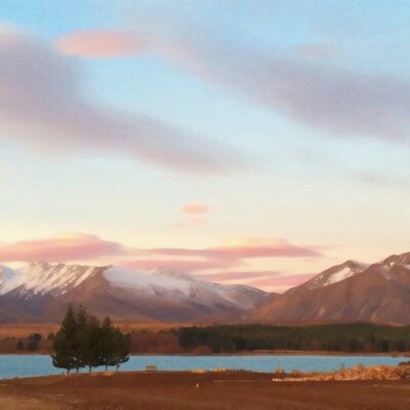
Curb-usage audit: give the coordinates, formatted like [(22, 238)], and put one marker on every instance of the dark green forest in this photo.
[(352, 338), (85, 342)]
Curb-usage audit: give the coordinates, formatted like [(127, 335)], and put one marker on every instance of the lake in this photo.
[(32, 365)]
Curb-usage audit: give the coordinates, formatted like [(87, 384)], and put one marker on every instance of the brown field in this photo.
[(198, 391), (24, 329)]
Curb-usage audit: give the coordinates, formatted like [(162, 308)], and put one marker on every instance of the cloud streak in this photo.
[(213, 264), (178, 264), (100, 44), (60, 249), (75, 246), (195, 208), (42, 106), (340, 102), (284, 250)]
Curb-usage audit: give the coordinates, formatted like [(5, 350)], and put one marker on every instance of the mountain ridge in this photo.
[(40, 290), (348, 292)]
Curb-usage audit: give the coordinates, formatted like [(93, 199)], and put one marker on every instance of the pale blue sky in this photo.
[(306, 174)]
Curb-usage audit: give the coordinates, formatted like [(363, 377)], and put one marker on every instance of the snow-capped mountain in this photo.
[(348, 292), (41, 291), (336, 274)]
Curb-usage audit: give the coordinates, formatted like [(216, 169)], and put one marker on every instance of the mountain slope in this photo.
[(41, 292), (349, 292)]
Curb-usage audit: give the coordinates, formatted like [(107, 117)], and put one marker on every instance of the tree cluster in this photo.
[(32, 343), (83, 341), (355, 337)]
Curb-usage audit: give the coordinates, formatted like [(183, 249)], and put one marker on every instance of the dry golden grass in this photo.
[(21, 330), (24, 329)]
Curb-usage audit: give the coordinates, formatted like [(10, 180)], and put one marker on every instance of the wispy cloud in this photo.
[(195, 208), (181, 265), (78, 246), (377, 179), (338, 101), (341, 102), (238, 276), (285, 250), (287, 281), (218, 264), (61, 248), (315, 51), (42, 105), (99, 43)]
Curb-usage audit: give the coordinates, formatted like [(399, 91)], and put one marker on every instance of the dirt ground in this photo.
[(197, 391)]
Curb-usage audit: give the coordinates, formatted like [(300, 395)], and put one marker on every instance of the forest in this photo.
[(100, 338), (351, 338)]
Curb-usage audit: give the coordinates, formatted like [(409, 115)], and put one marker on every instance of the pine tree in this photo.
[(81, 318), (92, 350), (122, 344), (65, 343), (107, 339), (82, 341)]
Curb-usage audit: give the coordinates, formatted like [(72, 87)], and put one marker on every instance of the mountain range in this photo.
[(349, 292), (41, 292)]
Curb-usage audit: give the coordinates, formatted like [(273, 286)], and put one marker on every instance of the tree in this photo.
[(122, 344), (82, 341), (33, 341), (20, 345), (65, 343), (92, 345), (108, 343), (82, 319)]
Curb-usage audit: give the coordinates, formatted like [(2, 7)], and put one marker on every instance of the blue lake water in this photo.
[(25, 365)]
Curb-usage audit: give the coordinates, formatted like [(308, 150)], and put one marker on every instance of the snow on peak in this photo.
[(402, 259), (5, 274), (148, 281), (337, 274), (162, 282), (44, 277)]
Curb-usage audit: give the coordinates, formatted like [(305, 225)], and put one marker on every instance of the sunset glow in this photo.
[(254, 142)]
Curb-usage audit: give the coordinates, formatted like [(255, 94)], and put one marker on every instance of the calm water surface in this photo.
[(25, 365)]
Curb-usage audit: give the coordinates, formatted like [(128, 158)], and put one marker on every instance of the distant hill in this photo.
[(350, 292), (41, 291)]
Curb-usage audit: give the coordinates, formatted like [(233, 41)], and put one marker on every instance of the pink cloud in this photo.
[(233, 275), (282, 281), (99, 43), (336, 100), (66, 248), (84, 247), (242, 252), (176, 264), (195, 208), (42, 106)]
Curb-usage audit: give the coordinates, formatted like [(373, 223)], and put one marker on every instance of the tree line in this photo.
[(83, 341), (355, 337)]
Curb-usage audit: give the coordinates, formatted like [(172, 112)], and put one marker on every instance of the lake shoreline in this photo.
[(241, 354)]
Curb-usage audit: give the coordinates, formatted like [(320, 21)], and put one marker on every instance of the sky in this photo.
[(242, 141)]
